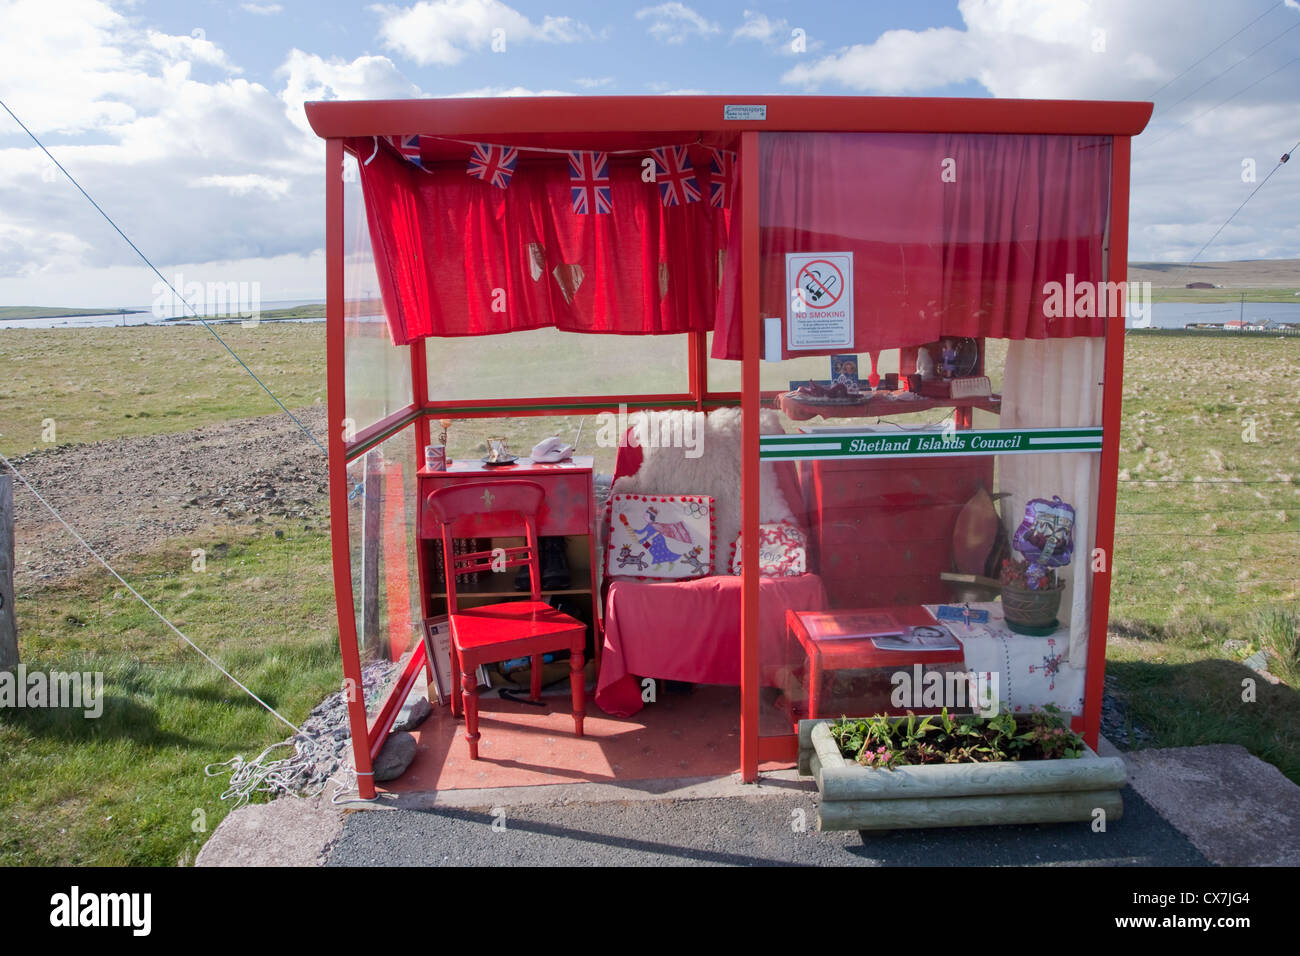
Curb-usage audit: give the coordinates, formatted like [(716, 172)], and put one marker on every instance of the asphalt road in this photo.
[(762, 831)]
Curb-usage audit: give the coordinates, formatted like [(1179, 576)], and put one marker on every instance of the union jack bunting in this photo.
[(722, 166), (675, 175), (493, 164), (589, 182), (409, 147)]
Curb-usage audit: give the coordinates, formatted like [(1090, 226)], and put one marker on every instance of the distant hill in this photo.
[(1245, 274)]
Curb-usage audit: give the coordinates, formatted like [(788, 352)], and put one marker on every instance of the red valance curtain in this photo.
[(951, 234), (457, 256)]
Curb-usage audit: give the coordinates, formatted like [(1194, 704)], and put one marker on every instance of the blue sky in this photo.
[(185, 118)]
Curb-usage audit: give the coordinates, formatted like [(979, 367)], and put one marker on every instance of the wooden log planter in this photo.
[(854, 797)]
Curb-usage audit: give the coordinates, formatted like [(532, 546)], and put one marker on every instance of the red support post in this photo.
[(749, 475), (338, 477), (1108, 484)]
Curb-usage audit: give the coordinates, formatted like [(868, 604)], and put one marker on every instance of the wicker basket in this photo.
[(1031, 608)]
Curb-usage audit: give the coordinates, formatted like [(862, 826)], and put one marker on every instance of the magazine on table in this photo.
[(926, 637), (851, 625)]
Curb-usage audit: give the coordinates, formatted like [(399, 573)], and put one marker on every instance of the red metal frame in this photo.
[(604, 119)]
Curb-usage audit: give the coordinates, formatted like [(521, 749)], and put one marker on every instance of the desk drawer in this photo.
[(566, 509)]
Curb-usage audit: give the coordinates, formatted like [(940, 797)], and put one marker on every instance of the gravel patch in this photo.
[(126, 496)]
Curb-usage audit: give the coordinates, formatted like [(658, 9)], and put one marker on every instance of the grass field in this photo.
[(142, 380), (1232, 295), (1204, 569), (129, 787)]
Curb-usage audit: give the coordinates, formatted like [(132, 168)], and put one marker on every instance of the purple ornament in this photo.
[(1046, 535)]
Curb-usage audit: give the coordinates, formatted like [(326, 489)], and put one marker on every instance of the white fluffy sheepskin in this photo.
[(716, 472)]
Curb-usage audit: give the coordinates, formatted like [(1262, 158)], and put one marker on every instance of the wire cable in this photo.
[(1280, 163), (154, 269), (1234, 66), (247, 776), (1169, 132), (1216, 49)]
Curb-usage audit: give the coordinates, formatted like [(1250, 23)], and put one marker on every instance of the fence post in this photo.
[(8, 615)]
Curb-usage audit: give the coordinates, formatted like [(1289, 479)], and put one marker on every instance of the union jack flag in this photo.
[(675, 175), (409, 147), (722, 166), (493, 164), (589, 182)]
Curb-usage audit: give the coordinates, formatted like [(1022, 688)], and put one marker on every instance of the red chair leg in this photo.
[(469, 684), (578, 685), (537, 677), (455, 669)]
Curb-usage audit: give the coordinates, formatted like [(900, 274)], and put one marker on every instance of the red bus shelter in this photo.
[(843, 359)]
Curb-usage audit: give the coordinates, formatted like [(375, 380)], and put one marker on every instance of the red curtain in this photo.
[(951, 234), (458, 256)]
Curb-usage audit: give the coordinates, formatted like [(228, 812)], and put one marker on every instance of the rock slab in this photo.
[(1235, 808)]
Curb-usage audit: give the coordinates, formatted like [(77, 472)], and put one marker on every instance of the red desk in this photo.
[(861, 653)]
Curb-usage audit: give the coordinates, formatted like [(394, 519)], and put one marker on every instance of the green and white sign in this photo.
[(875, 444)]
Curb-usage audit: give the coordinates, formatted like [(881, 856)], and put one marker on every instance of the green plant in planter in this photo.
[(885, 742)]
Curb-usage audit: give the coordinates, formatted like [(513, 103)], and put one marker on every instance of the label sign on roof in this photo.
[(743, 112)]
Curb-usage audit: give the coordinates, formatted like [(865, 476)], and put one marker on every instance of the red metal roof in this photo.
[(646, 114)]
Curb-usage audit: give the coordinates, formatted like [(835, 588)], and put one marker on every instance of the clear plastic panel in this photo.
[(382, 521), (908, 467), (377, 372), (549, 363)]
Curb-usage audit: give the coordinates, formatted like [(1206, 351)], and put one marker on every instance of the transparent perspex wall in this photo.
[(929, 461)]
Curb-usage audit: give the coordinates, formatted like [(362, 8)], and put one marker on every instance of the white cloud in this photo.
[(444, 32), (594, 82), (248, 183), (898, 61), (673, 22), (194, 48), (308, 77), (1018, 48), (506, 91), (262, 9), (195, 169), (760, 27)]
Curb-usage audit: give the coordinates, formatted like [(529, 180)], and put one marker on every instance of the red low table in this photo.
[(860, 653)]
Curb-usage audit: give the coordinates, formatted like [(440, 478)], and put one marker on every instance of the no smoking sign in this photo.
[(819, 288)]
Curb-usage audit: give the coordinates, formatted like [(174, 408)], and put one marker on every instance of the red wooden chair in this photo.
[(499, 632)]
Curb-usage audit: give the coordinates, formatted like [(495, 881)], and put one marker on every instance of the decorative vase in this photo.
[(1031, 608)]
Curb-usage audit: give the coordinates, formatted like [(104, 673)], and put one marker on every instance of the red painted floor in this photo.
[(681, 735)]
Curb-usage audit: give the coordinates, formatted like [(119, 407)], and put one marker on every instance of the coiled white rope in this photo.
[(290, 775)]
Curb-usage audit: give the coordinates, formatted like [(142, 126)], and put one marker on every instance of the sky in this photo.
[(184, 119)]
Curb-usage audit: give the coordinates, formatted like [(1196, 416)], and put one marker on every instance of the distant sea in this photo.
[(140, 315), (1167, 315)]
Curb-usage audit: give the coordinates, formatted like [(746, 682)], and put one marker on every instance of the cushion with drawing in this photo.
[(782, 550), (660, 536)]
